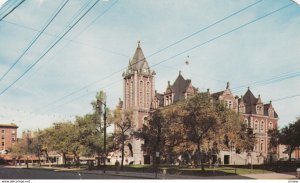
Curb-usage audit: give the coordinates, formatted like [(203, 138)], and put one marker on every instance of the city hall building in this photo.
[(140, 94)]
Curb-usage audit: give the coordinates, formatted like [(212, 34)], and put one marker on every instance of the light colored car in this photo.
[(3, 152), (298, 172)]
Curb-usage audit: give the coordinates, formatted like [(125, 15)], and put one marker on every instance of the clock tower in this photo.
[(138, 94)]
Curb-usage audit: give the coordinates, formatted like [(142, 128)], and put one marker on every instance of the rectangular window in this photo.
[(2, 143), (2, 131), (2, 136)]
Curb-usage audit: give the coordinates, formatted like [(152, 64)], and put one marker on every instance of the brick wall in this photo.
[(8, 136)]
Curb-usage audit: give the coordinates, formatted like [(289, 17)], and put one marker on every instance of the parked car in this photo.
[(298, 172), (3, 152)]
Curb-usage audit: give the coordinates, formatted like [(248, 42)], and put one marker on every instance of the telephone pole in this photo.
[(99, 103)]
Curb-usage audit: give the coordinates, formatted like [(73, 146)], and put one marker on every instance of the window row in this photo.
[(259, 126)]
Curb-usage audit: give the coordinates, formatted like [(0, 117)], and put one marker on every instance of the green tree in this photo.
[(273, 135), (289, 136), (200, 120), (122, 121), (18, 150), (36, 146)]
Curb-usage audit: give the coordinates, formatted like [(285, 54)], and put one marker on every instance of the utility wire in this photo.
[(74, 41), (55, 42), (12, 10), (61, 6), (85, 94), (68, 39), (206, 42), (6, 6), (222, 35), (269, 80), (177, 42), (205, 28)]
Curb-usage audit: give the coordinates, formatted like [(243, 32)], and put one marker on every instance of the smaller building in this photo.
[(8, 134)]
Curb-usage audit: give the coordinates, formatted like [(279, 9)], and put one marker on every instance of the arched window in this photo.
[(131, 93), (262, 124), (148, 94), (141, 94), (256, 125), (270, 125), (167, 100), (127, 94), (262, 145)]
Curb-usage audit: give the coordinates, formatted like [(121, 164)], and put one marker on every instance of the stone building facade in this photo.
[(257, 115), (8, 134), (140, 95)]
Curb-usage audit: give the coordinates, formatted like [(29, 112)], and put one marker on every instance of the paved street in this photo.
[(20, 173)]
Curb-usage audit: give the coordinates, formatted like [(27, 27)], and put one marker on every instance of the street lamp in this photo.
[(98, 107)]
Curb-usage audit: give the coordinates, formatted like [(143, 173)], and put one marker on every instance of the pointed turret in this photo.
[(138, 62)]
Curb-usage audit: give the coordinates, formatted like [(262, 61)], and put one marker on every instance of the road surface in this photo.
[(20, 173)]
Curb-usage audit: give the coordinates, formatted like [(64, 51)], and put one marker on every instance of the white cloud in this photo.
[(2, 2), (297, 1)]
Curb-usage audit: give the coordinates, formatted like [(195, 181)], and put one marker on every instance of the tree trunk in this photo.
[(98, 159), (65, 159), (47, 156), (76, 159), (200, 156), (122, 154), (153, 159), (39, 157), (290, 153)]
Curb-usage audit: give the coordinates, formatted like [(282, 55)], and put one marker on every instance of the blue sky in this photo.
[(263, 55)]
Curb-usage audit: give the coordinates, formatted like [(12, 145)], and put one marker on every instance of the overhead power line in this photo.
[(222, 35), (61, 6), (201, 44), (205, 28), (89, 25), (48, 49), (12, 10), (270, 80), (158, 51), (6, 6), (68, 39)]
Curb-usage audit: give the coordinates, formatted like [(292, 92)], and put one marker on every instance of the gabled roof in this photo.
[(250, 102), (180, 87), (217, 95), (266, 110)]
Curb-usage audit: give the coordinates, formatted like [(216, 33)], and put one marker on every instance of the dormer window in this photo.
[(271, 113), (258, 109)]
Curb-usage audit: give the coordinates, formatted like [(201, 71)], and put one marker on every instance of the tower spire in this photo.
[(139, 43)]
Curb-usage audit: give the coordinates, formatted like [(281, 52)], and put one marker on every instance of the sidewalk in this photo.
[(141, 175), (289, 175)]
